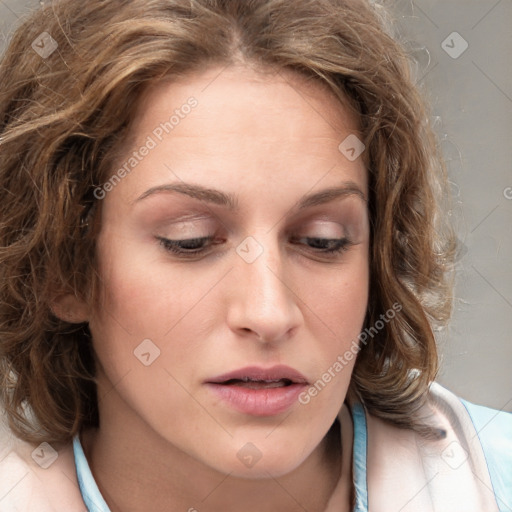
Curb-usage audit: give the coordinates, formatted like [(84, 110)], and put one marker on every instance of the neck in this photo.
[(137, 470)]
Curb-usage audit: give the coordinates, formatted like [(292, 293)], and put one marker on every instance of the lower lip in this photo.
[(258, 402)]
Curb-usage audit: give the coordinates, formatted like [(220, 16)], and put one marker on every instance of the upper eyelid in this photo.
[(299, 218), (211, 224), (296, 214), (211, 233)]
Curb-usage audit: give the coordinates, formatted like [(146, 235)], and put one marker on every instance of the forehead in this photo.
[(240, 89), (252, 126)]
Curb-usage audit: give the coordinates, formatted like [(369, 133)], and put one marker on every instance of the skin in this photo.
[(165, 441)]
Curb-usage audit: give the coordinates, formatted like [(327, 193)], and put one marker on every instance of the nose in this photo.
[(263, 304)]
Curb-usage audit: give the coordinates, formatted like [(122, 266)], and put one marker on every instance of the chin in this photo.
[(262, 459), (266, 469)]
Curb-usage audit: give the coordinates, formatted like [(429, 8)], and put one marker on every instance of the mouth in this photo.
[(259, 391), (276, 376), (248, 383)]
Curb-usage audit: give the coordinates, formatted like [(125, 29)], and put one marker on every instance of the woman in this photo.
[(223, 257)]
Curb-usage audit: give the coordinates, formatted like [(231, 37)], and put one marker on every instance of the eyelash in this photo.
[(179, 247)]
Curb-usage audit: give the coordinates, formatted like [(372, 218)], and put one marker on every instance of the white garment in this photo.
[(394, 470)]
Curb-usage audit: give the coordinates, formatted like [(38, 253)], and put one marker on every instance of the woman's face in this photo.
[(214, 258)]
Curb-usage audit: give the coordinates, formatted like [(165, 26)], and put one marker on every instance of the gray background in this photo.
[(471, 101)]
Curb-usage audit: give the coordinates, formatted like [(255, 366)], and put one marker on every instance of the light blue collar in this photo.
[(95, 503), (90, 493), (359, 457)]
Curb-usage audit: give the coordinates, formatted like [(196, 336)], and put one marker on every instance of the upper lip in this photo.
[(256, 373)]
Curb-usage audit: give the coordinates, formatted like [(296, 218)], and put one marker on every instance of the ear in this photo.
[(70, 308)]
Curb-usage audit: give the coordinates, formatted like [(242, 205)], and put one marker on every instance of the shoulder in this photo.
[(468, 469), (493, 429), (36, 477)]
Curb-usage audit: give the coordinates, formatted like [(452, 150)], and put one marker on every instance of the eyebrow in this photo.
[(230, 201)]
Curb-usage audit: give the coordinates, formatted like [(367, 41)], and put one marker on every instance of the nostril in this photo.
[(251, 331)]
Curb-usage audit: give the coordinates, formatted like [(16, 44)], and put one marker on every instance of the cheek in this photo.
[(340, 306), (141, 301), (143, 297), (139, 294), (340, 298)]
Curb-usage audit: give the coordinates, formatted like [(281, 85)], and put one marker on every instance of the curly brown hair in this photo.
[(64, 118)]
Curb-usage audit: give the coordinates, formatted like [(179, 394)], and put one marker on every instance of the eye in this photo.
[(331, 246), (196, 246), (189, 246)]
